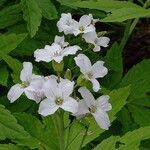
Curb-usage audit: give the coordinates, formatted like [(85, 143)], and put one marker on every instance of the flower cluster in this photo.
[(54, 92)]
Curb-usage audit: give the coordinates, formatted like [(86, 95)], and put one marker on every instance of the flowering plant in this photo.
[(66, 84)]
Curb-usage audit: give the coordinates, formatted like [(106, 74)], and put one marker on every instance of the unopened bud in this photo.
[(68, 74), (58, 67)]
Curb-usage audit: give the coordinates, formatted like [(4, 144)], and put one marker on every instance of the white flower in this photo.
[(91, 72), (91, 37), (83, 26), (58, 96), (60, 40), (31, 85), (65, 24), (98, 108), (54, 52)]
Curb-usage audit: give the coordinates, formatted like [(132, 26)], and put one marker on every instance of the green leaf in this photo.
[(117, 100), (3, 74), (37, 130), (10, 42), (107, 5), (12, 130), (32, 15), (123, 14), (140, 115), (113, 58), (131, 140), (12, 147), (113, 61), (10, 15), (48, 9), (139, 79), (15, 65), (2, 2)]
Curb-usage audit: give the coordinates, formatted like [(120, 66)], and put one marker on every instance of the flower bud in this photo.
[(58, 67), (68, 74)]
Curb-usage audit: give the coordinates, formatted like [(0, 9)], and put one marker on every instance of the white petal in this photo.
[(83, 63), (71, 50), (42, 55), (82, 109), (85, 20), (26, 72), (87, 96), (103, 103), (70, 105), (102, 119), (15, 92), (99, 70), (47, 107), (90, 28), (50, 87), (96, 48), (103, 41), (90, 37), (96, 85), (58, 59), (66, 87), (60, 40)]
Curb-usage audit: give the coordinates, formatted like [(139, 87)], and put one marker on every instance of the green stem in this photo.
[(60, 120)]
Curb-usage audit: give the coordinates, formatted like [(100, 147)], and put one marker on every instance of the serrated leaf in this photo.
[(3, 74), (131, 140), (32, 15), (10, 15), (10, 42), (15, 65), (113, 61), (123, 14), (37, 130), (141, 115), (12, 147), (113, 58), (139, 79), (12, 130), (48, 9), (107, 5)]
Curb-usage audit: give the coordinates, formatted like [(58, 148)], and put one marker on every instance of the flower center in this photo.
[(59, 101), (81, 28), (57, 53), (93, 109), (25, 84), (90, 75)]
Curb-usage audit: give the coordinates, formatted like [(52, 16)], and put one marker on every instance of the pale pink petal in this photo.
[(102, 119), (90, 28), (96, 85), (15, 92), (103, 41), (47, 107), (96, 48), (70, 105), (90, 37), (71, 50), (26, 72), (85, 20), (87, 96), (82, 109), (83, 63), (66, 87), (103, 103), (99, 70), (42, 55)]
